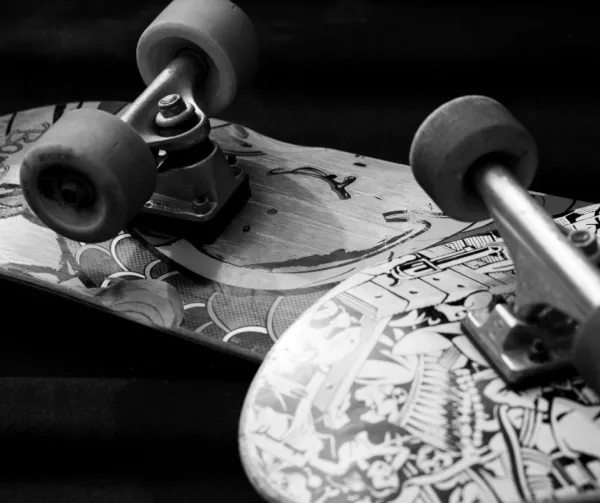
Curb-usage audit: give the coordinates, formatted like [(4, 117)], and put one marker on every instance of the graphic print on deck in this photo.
[(377, 395)]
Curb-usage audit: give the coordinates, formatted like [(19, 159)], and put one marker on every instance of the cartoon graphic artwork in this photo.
[(250, 285), (377, 395)]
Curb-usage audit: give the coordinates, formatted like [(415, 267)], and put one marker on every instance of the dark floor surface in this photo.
[(108, 422)]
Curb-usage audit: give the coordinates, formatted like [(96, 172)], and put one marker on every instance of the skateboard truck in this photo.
[(475, 160), (196, 182), (557, 285), (93, 174)]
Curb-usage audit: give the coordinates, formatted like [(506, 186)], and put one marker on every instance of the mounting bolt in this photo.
[(174, 111), (585, 241), (201, 204)]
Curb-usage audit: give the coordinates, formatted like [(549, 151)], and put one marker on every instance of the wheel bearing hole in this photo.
[(71, 193), (66, 186)]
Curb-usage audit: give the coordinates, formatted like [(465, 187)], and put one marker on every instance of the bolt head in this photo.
[(200, 204), (585, 241)]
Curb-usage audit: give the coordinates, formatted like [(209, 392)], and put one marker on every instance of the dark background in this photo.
[(355, 75)]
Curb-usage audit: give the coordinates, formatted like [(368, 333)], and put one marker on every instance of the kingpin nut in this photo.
[(171, 105), (174, 111)]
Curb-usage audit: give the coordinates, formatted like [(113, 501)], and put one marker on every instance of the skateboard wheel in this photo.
[(222, 33), (458, 136), (88, 176)]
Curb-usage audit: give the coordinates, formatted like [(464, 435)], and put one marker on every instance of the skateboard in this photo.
[(463, 372), (242, 232)]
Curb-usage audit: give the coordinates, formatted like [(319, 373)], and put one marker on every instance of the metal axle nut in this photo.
[(174, 111)]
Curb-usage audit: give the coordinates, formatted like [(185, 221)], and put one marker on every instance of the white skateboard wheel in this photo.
[(88, 176), (455, 138), (220, 30)]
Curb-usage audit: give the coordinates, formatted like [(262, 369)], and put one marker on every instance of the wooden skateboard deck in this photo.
[(316, 217), (377, 395)]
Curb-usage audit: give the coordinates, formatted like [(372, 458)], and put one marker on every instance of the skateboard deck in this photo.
[(376, 394), (316, 217)]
